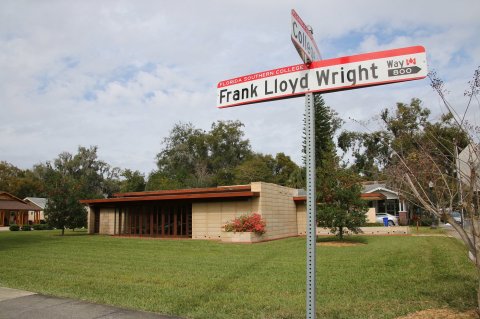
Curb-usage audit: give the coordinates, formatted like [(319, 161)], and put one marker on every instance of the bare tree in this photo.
[(436, 178)]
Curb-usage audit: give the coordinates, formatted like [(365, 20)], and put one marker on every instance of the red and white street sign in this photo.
[(345, 73), (303, 40)]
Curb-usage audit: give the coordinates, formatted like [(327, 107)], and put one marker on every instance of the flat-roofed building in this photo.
[(198, 213)]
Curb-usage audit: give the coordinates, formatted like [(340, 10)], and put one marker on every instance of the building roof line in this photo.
[(220, 189), (191, 196)]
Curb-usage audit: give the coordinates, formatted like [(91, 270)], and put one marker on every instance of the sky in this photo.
[(121, 74)]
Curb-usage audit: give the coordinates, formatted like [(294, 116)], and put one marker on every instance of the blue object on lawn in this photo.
[(385, 221)]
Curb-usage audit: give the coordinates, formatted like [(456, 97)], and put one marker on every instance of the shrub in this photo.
[(26, 228), (14, 227), (247, 223), (426, 221), (41, 227), (37, 226)]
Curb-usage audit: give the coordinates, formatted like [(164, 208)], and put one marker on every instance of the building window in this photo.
[(392, 206)]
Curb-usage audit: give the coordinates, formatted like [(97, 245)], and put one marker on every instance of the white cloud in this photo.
[(119, 74)]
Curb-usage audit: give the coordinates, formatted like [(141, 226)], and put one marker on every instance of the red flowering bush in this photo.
[(247, 223)]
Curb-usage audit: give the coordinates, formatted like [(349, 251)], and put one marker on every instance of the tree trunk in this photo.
[(477, 263), (63, 231), (340, 232)]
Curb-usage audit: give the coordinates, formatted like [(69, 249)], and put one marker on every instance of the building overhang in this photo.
[(224, 193), (373, 196), (299, 199)]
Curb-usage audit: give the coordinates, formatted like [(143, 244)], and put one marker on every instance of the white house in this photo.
[(36, 217), (384, 200)]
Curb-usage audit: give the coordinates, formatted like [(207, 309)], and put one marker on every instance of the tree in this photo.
[(432, 176), (297, 178), (134, 181), (327, 123), (284, 169), (21, 183), (71, 178), (338, 189), (227, 148), (265, 168), (194, 158), (257, 168), (222, 156), (403, 131), (341, 207), (184, 160), (63, 209)]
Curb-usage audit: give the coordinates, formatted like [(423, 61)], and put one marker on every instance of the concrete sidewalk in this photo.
[(18, 304)]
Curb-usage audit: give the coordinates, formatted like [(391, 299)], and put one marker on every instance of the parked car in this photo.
[(457, 217), (392, 220)]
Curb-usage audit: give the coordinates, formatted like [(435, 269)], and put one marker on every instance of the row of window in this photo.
[(389, 206)]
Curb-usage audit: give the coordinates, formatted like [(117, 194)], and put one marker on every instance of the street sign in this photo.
[(345, 73), (303, 41)]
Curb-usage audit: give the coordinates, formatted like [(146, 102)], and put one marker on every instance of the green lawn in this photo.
[(387, 277), (427, 230)]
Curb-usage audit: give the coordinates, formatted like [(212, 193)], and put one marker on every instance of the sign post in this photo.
[(302, 38), (311, 205), (316, 75)]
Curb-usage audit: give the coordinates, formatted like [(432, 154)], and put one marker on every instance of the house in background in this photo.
[(35, 216), (13, 210), (372, 198), (384, 200)]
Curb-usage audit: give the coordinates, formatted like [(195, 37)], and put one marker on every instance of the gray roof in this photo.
[(371, 186), (41, 202)]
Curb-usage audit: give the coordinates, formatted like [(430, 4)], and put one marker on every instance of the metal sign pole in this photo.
[(311, 204)]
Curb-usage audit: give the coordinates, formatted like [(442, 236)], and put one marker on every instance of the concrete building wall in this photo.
[(107, 221), (371, 215), (90, 220), (302, 218), (278, 209), (208, 218), (275, 204)]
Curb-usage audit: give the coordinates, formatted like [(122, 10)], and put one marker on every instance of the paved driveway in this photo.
[(19, 304)]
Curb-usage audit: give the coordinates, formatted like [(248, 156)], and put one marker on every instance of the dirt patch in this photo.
[(441, 314), (339, 244)]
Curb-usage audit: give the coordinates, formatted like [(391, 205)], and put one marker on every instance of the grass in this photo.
[(427, 230), (388, 277), (346, 239)]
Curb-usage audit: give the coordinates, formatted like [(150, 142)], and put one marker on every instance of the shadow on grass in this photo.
[(347, 239), (72, 233), (10, 240), (16, 240)]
